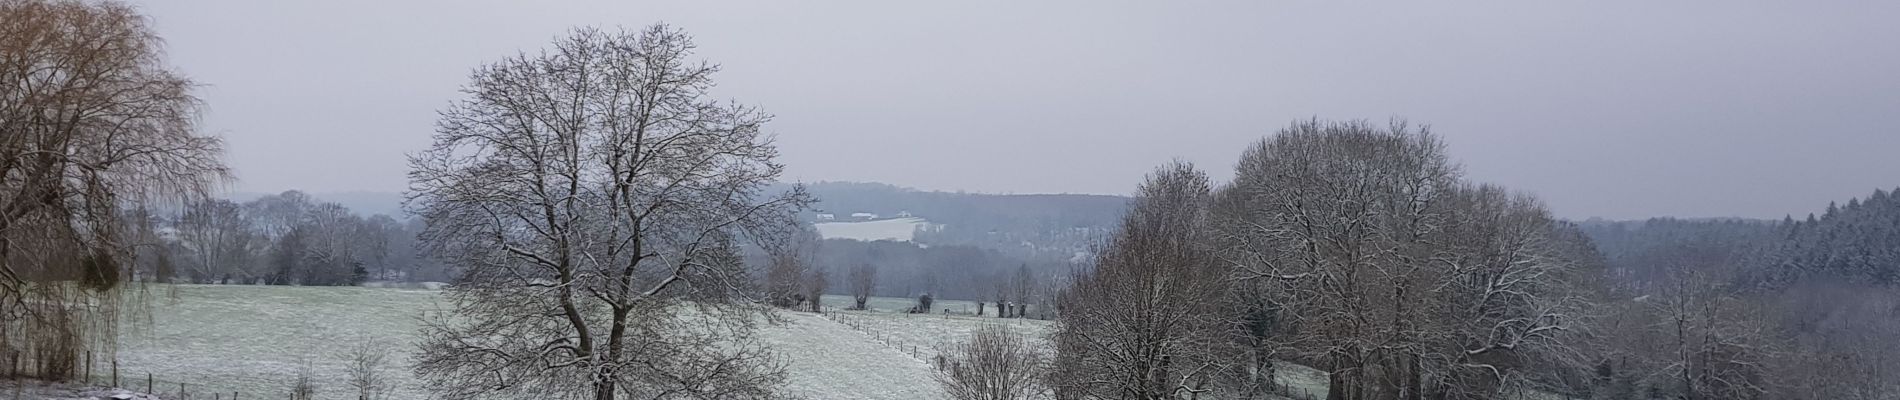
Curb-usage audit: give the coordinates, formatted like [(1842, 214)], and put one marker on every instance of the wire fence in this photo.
[(96, 373), (857, 323)]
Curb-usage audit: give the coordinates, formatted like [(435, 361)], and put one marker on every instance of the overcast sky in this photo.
[(1602, 108)]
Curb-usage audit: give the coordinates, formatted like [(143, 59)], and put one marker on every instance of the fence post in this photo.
[(88, 379), (148, 384), (115, 372)]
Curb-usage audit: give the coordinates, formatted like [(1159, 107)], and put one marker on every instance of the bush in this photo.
[(996, 364), (923, 305)]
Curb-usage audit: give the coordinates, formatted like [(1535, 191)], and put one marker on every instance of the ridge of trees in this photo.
[(1359, 250)]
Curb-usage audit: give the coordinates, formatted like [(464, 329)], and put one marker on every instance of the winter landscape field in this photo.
[(663, 200), (254, 340), (897, 229)]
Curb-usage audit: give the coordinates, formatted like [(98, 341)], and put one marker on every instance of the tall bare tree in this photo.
[(815, 284), (1398, 278), (220, 237), (586, 192), (1150, 321), (1023, 285), (91, 119)]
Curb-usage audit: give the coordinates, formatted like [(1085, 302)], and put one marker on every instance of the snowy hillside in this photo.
[(898, 229)]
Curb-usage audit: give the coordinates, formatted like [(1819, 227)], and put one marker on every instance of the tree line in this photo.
[(1361, 251), (960, 272), (1354, 248), (288, 238), (598, 204), (1796, 309)]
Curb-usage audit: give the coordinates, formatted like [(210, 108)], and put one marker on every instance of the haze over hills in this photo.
[(361, 201)]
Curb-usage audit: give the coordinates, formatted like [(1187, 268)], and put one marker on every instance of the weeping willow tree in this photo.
[(93, 129)]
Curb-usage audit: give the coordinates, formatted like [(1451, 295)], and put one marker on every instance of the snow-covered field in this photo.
[(62, 391), (899, 304), (254, 339), (898, 229)]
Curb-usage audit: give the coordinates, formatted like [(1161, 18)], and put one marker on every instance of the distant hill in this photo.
[(1051, 224)]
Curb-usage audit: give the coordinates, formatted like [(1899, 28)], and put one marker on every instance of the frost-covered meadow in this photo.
[(898, 229), (254, 339)]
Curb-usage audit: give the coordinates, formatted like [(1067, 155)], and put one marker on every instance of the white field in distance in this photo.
[(897, 229)]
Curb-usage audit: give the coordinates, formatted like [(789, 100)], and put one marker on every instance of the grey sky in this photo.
[(1613, 109)]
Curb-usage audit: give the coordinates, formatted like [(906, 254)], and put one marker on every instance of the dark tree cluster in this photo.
[(962, 272), (288, 238)]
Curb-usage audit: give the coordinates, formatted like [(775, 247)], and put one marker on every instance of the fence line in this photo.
[(104, 373), (889, 341)]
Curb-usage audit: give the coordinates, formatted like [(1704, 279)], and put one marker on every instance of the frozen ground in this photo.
[(57, 391), (926, 335), (898, 229), (831, 361), (254, 339)]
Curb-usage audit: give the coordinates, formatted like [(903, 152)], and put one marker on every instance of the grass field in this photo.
[(254, 340)]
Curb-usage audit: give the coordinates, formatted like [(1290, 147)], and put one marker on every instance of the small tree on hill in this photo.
[(815, 285), (863, 283)]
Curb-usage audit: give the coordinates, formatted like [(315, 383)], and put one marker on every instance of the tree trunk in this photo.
[(1414, 385), (603, 389)]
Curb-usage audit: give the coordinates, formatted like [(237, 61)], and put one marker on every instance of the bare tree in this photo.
[(219, 236), (863, 284), (787, 276), (1399, 279), (1150, 320), (587, 192), (1717, 346), (815, 284), (303, 386), (275, 215), (363, 363), (378, 237), (785, 281), (1024, 285), (996, 364), (91, 121)]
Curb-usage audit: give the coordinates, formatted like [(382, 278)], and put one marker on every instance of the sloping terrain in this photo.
[(255, 339)]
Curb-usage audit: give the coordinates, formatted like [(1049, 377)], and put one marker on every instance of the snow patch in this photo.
[(898, 229)]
